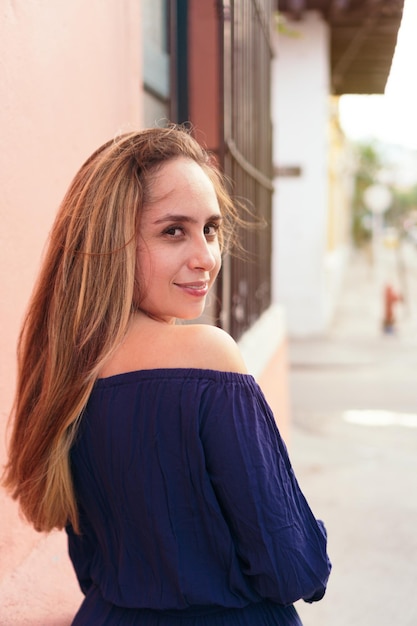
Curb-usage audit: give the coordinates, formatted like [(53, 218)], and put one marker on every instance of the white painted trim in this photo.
[(262, 340)]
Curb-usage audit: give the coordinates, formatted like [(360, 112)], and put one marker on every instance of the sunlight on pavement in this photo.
[(371, 417)]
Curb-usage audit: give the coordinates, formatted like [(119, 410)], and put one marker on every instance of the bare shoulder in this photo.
[(210, 347), (151, 345)]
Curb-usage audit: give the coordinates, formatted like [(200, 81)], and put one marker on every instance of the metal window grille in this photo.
[(247, 52)]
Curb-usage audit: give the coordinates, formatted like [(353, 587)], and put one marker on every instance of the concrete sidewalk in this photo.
[(354, 446)]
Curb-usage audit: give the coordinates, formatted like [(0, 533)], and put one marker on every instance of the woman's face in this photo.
[(178, 255)]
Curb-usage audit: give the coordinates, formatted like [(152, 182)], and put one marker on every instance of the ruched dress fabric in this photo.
[(190, 512)]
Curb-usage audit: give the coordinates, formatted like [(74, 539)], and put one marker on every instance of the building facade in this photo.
[(73, 75)]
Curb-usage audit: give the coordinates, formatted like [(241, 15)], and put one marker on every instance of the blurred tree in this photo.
[(372, 164), (403, 207), (369, 164)]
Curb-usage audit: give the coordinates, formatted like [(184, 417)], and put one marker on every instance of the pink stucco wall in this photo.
[(70, 79)]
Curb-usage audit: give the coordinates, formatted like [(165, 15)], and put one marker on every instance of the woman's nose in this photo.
[(203, 255)]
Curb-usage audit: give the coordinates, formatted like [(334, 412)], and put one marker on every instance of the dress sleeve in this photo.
[(281, 546)]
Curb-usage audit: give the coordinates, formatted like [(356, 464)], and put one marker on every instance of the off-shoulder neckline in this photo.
[(170, 373)]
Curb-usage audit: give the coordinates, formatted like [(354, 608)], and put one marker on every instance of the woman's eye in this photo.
[(211, 230), (174, 231)]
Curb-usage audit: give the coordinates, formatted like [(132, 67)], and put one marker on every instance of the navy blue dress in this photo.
[(190, 512)]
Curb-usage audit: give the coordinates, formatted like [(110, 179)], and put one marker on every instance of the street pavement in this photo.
[(354, 444)]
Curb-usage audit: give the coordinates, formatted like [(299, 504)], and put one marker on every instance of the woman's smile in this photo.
[(199, 288)]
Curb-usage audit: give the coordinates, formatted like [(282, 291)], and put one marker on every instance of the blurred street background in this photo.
[(354, 443)]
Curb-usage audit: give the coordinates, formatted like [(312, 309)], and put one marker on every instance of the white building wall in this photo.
[(300, 110)]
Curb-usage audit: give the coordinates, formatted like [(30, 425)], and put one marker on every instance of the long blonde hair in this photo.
[(80, 310)]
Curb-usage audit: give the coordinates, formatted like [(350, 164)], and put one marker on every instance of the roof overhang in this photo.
[(363, 38)]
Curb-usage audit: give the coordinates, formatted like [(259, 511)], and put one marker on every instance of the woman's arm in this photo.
[(282, 547)]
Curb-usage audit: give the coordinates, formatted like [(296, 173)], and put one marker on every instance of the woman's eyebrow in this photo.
[(174, 217)]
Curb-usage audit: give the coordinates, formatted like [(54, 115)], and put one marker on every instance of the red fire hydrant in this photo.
[(390, 300)]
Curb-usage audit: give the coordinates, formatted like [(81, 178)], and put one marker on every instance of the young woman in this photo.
[(147, 440)]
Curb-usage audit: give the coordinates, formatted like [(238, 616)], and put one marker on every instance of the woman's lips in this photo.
[(195, 288)]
